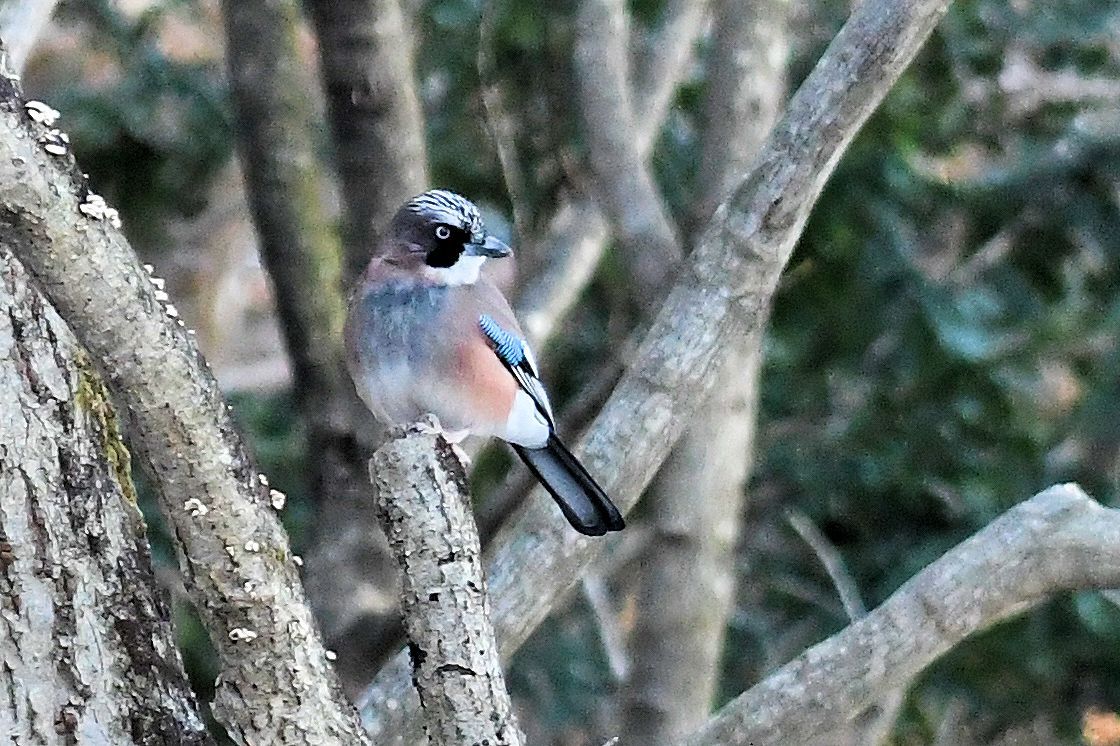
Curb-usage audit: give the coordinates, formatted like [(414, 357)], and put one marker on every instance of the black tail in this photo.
[(583, 502)]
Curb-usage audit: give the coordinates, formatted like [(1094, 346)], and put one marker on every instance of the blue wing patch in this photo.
[(518, 359), (506, 346)]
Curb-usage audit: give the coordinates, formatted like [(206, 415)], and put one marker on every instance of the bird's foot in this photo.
[(430, 425)]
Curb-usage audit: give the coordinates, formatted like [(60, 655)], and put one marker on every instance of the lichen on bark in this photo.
[(92, 397)]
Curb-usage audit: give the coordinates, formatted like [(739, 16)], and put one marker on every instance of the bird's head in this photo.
[(443, 233)]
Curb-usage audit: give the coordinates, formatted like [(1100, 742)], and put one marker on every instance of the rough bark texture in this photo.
[(276, 685), (21, 23), (623, 182), (724, 291), (424, 504), (687, 577), (1058, 540), (86, 649), (349, 574), (366, 56)]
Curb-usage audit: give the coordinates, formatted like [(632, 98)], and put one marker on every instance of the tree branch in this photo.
[(1058, 540), (367, 68), (233, 552), (724, 291), (664, 55), (623, 182), (578, 233), (424, 506)]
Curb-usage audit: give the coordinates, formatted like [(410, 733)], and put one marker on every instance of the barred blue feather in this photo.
[(506, 346)]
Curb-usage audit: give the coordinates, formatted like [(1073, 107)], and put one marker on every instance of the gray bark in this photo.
[(349, 574), (687, 578), (1058, 540), (86, 649), (723, 292), (424, 504), (367, 69), (276, 685)]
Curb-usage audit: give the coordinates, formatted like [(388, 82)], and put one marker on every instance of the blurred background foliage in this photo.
[(943, 345)]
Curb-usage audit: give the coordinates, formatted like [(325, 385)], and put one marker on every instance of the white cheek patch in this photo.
[(526, 426), (463, 272)]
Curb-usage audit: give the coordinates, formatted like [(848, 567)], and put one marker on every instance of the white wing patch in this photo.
[(526, 425)]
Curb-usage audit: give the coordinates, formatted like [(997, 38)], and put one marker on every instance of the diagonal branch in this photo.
[(366, 55), (233, 552), (723, 292), (1059, 540)]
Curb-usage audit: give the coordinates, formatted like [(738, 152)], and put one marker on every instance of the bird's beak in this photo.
[(490, 247)]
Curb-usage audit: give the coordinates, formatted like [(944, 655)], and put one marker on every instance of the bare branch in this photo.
[(366, 54), (575, 244), (665, 55), (21, 24), (575, 241), (832, 562), (1058, 540), (424, 506), (614, 644), (500, 120), (1029, 87), (233, 553), (723, 292), (628, 193)]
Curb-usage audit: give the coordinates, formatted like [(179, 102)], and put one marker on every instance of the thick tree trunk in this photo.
[(276, 684), (366, 53), (688, 578), (86, 649), (350, 578)]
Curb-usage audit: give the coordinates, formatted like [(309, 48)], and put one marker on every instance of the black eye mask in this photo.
[(446, 251)]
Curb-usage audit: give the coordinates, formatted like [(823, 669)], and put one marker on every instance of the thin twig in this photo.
[(832, 562)]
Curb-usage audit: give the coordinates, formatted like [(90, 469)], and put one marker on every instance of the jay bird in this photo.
[(426, 332)]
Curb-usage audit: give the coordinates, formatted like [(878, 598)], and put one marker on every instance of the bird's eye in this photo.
[(443, 232)]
